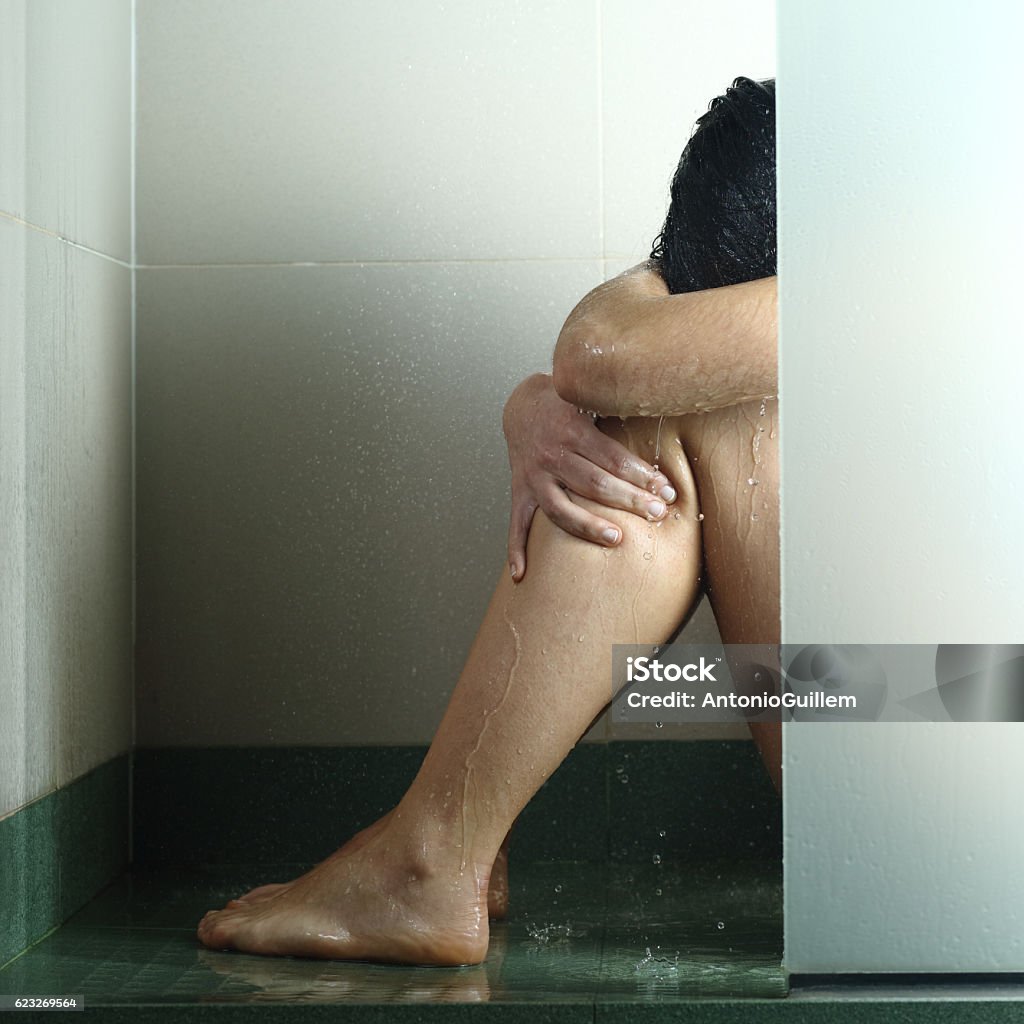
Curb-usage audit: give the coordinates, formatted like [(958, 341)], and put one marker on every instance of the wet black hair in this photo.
[(720, 227)]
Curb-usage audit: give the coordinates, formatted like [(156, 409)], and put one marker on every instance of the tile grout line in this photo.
[(133, 242), (467, 261), (15, 219)]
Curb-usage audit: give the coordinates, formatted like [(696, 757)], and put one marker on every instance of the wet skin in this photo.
[(414, 887), (497, 889)]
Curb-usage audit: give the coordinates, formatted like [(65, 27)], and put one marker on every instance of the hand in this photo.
[(556, 451)]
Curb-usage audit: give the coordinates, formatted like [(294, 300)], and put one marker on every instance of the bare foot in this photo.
[(497, 890), (366, 903), (262, 892)]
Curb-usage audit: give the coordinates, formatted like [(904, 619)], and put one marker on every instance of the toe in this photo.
[(214, 931)]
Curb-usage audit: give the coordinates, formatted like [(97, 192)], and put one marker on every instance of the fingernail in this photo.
[(655, 510), (612, 536), (512, 569), (668, 494)]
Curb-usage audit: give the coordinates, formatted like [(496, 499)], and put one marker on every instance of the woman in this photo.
[(680, 379)]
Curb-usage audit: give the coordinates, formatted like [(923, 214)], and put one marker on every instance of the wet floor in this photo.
[(576, 934)]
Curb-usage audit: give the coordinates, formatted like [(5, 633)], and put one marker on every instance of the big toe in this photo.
[(216, 928), (214, 932)]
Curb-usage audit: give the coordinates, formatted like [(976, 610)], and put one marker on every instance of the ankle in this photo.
[(424, 851)]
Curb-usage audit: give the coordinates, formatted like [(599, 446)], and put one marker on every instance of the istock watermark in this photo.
[(818, 683)]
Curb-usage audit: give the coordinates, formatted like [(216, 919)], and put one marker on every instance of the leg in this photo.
[(728, 449), (537, 674)]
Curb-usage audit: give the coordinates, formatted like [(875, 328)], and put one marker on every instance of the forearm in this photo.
[(631, 349)]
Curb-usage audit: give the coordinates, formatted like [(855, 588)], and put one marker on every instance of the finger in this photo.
[(588, 479), (518, 531), (617, 459), (573, 519)]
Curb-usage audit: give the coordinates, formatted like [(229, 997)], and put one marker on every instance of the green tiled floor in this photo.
[(579, 935)]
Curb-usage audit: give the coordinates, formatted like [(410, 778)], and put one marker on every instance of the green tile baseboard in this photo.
[(274, 805), (59, 851)]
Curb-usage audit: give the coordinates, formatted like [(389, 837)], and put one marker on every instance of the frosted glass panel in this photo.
[(900, 226)]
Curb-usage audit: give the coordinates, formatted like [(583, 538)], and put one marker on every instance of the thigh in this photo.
[(734, 457)]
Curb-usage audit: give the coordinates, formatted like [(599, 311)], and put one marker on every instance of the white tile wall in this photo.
[(14, 787), (65, 162), (487, 158), (319, 131), (66, 641), (322, 489), (66, 404)]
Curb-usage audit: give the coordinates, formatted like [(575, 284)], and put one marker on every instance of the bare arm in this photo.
[(629, 348)]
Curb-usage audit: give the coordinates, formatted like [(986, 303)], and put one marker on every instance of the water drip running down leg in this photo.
[(657, 445), (518, 646)]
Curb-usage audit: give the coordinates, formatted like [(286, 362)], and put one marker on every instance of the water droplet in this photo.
[(623, 779), (582, 638), (657, 892), (661, 832), (648, 556), (618, 771), (558, 888), (659, 725), (656, 859), (752, 481), (721, 926), (677, 515), (753, 516), (757, 677), (700, 517)]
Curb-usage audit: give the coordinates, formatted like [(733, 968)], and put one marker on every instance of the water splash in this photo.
[(553, 934), (658, 962)]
